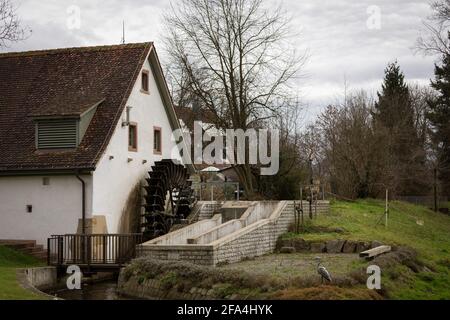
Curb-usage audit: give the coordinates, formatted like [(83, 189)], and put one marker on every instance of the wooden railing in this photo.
[(92, 249)]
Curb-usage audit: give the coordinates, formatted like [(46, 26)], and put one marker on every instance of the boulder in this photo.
[(301, 245), (318, 247), (375, 244), (287, 250), (335, 246), (283, 243), (338, 230), (362, 246), (349, 246)]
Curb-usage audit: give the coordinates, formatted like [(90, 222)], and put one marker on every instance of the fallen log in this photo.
[(374, 252)]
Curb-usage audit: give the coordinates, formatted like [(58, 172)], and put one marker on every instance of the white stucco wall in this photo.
[(56, 207), (114, 179)]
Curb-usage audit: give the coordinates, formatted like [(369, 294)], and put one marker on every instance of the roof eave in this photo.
[(46, 171)]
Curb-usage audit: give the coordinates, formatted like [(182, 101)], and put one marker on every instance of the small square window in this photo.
[(132, 137), (29, 208), (157, 143), (145, 81), (46, 181)]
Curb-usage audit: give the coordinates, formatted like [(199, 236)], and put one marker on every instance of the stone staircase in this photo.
[(27, 247), (208, 209)]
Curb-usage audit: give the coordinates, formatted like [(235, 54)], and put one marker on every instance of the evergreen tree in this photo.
[(439, 117), (395, 114), (393, 101)]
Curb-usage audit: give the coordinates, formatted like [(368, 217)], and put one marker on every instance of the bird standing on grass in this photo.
[(322, 271)]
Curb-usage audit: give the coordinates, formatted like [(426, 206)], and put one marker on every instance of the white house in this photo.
[(77, 121)]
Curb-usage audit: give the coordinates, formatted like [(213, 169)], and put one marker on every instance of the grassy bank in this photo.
[(408, 225), (10, 260)]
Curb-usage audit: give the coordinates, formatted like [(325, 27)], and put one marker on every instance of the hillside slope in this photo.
[(10, 260), (408, 225)]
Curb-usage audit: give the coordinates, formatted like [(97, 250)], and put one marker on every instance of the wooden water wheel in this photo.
[(169, 198)]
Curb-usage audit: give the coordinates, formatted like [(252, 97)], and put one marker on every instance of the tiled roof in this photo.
[(189, 116), (63, 82)]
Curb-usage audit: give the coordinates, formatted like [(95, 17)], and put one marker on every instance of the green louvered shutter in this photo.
[(60, 134)]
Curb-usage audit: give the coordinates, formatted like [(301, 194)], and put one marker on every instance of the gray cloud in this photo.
[(335, 32)]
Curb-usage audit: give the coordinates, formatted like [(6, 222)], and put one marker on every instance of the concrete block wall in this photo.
[(208, 209), (259, 241), (202, 255), (254, 240)]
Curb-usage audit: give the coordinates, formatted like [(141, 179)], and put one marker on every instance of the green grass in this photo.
[(411, 225), (10, 260)]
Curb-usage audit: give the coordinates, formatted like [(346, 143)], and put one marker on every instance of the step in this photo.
[(31, 250), (41, 256), (28, 247), (18, 243)]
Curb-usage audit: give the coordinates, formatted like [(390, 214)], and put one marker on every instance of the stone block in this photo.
[(334, 246), (375, 244), (287, 250), (349, 247), (318, 247), (301, 245), (362, 246)]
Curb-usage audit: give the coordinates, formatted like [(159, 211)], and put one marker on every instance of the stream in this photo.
[(104, 290)]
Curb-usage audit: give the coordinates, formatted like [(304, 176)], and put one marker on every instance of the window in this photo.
[(46, 181), (144, 79), (132, 137), (157, 140)]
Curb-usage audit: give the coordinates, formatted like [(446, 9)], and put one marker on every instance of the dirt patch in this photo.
[(296, 265)]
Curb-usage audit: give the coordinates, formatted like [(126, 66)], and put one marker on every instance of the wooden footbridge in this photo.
[(92, 252)]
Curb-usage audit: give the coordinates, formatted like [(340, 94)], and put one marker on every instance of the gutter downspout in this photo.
[(83, 203)]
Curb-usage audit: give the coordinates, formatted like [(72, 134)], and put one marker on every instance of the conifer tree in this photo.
[(395, 114), (439, 117)]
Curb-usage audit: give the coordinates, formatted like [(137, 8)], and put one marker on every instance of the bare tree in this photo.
[(231, 55), (356, 156), (435, 37), (10, 26)]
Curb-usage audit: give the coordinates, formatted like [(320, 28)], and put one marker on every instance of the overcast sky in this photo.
[(346, 39)]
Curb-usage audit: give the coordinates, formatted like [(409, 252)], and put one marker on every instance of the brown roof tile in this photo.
[(63, 82)]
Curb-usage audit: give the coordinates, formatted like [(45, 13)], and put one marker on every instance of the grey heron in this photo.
[(322, 271)]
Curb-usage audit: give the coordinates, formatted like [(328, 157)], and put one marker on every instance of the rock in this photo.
[(317, 247), (339, 230), (301, 245), (362, 246), (375, 244), (349, 247), (335, 246), (287, 250), (283, 243)]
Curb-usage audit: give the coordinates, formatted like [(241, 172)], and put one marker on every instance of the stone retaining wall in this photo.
[(198, 254), (330, 246), (153, 289), (254, 240), (37, 279)]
